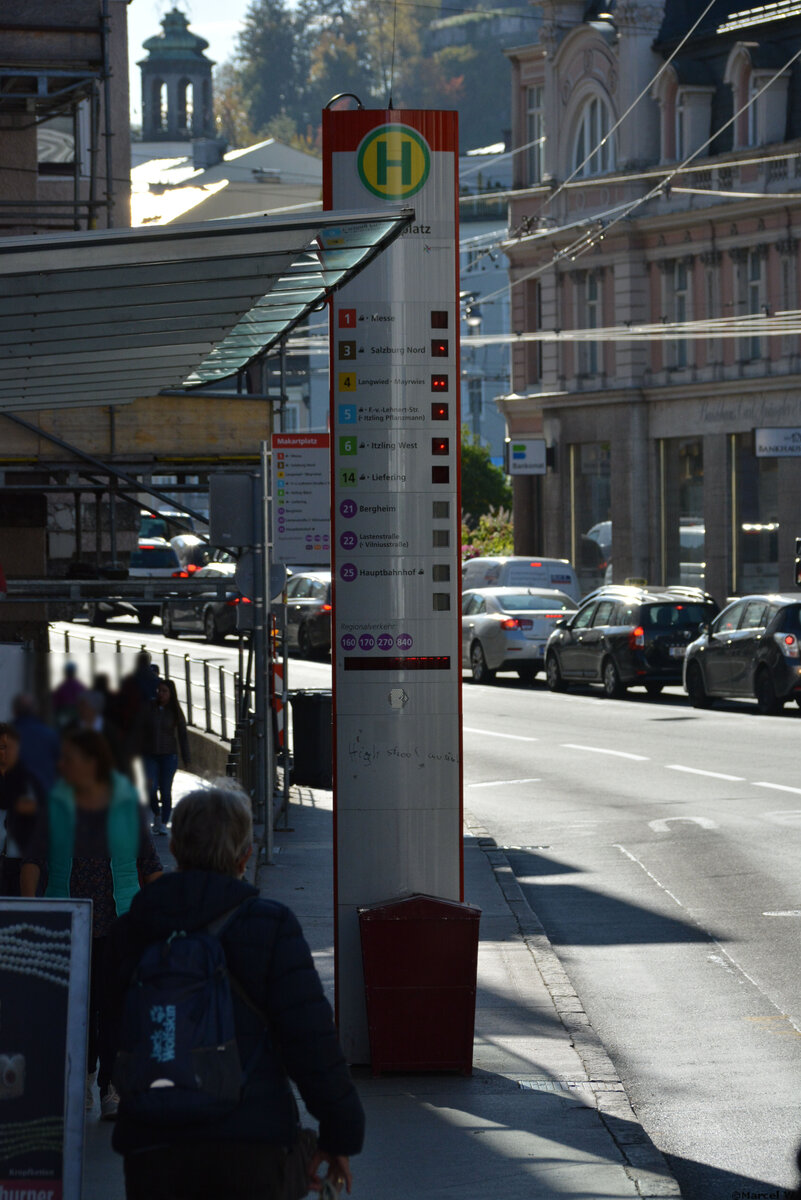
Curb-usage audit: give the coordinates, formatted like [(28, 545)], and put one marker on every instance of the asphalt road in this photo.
[(660, 847)]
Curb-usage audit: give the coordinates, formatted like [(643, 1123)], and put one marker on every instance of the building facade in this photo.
[(659, 187)]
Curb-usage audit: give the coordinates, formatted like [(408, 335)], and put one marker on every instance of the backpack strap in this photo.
[(217, 928)]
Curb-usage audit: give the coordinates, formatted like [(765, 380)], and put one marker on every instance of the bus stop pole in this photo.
[(267, 663)]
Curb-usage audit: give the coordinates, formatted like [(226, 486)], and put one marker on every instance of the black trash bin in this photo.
[(311, 738)]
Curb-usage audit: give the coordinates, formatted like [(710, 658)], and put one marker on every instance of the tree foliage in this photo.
[(484, 486), (291, 60)]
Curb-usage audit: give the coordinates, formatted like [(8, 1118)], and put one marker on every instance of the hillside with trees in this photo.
[(290, 61)]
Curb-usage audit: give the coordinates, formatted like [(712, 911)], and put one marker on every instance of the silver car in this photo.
[(506, 628)]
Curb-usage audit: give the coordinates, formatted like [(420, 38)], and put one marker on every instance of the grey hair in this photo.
[(212, 829)]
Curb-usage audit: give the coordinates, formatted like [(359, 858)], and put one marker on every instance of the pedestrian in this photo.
[(136, 690), (163, 734), (39, 745), (92, 841), (66, 696), (20, 794), (284, 1024)]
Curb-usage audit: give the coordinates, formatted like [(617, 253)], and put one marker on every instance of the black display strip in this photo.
[(411, 662)]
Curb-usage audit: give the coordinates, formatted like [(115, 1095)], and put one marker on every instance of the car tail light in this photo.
[(325, 608), (788, 644), (237, 600), (180, 574), (636, 638), (517, 623), (191, 568), (552, 616)]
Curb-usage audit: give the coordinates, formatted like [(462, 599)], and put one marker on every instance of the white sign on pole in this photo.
[(301, 499), (777, 443), (526, 456), (395, 534)]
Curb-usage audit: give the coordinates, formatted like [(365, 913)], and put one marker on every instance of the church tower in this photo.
[(176, 84)]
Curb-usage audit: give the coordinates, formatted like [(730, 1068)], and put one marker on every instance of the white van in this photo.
[(520, 571)]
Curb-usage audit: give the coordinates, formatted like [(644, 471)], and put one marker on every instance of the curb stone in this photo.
[(645, 1165)]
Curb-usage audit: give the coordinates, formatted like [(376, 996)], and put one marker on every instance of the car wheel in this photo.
[(167, 627), (304, 643), (699, 697), (210, 626), (553, 676), (478, 665), (96, 615), (145, 618), (768, 703), (654, 690), (527, 674), (613, 688)]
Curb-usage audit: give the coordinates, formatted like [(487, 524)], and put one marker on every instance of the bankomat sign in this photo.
[(394, 162)]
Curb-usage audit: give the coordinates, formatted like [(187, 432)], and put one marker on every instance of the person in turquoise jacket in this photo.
[(92, 842)]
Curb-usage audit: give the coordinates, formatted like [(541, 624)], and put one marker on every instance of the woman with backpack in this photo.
[(189, 1130), (163, 733), (91, 841)]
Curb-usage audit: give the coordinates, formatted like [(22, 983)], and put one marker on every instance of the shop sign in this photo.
[(777, 443)]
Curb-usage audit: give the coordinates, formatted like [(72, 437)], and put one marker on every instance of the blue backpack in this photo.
[(178, 1060)]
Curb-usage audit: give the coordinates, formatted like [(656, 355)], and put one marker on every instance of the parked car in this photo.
[(751, 650), (624, 637), (308, 612), (152, 559), (204, 612), (554, 574), (506, 629)]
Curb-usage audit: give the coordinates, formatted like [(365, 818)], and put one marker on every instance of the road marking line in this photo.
[(603, 750), (779, 787), (501, 782), (714, 941), (513, 737), (709, 774), (662, 824), (788, 912)]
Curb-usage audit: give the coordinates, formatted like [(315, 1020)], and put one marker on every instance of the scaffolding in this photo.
[(55, 63)]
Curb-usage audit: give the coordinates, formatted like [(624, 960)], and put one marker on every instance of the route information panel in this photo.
[(395, 524)]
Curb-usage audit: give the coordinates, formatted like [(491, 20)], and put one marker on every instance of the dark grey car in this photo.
[(625, 637), (750, 651)]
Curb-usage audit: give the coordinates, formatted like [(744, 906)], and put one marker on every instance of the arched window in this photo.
[(185, 105), (159, 104), (594, 147)]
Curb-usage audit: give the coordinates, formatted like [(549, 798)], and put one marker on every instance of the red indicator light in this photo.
[(535, 564), (789, 640), (325, 608), (440, 445), (439, 349), (517, 623), (440, 474), (440, 411), (636, 638), (439, 383), (439, 318)]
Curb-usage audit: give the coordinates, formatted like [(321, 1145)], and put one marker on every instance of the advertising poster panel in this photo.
[(395, 523), (44, 998)]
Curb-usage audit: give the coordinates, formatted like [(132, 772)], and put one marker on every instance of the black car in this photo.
[(204, 613), (750, 651), (627, 637), (308, 612)]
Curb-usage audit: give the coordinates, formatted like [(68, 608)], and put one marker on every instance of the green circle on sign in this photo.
[(394, 162)]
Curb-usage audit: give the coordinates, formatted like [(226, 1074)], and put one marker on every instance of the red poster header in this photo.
[(300, 441)]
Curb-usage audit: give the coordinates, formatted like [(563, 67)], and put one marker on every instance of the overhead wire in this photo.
[(582, 245)]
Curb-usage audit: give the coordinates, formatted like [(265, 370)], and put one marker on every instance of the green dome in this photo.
[(176, 42)]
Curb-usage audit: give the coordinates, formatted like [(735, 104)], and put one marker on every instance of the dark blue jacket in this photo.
[(267, 953)]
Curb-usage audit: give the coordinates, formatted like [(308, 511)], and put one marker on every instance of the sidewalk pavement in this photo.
[(544, 1115)]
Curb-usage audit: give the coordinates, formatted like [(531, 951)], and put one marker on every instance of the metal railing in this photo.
[(210, 695)]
